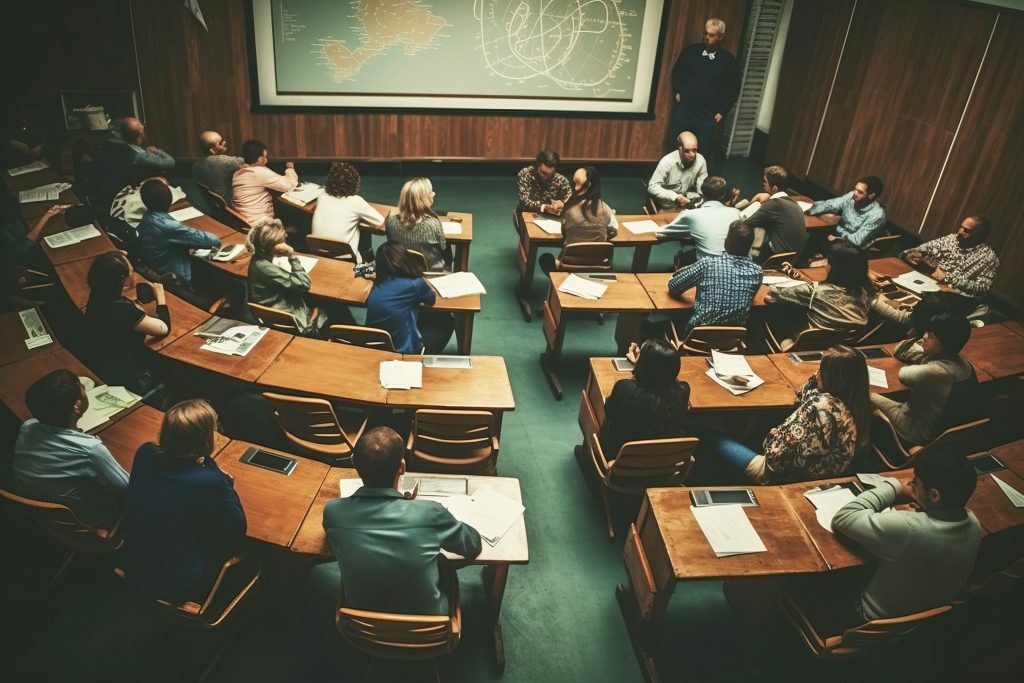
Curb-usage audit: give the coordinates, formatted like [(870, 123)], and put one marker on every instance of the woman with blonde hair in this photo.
[(417, 226), (182, 517), (277, 278), (340, 211)]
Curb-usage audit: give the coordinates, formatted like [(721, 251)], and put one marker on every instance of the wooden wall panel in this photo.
[(193, 80), (811, 55), (986, 169)]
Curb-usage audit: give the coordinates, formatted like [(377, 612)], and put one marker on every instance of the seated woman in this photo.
[(163, 242), (841, 302), (182, 519), (340, 211), (651, 405), (394, 304), (277, 278), (820, 438), (117, 327), (585, 218), (416, 225), (943, 386)]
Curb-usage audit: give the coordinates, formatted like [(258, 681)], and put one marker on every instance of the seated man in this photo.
[(961, 260), (253, 182), (943, 386), (706, 226), (924, 556), (388, 546), (677, 179), (861, 217), (215, 167), (128, 159), (57, 462), (780, 217), (163, 242), (726, 283), (541, 188)]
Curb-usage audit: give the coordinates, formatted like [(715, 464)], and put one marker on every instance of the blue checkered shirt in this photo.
[(726, 286)]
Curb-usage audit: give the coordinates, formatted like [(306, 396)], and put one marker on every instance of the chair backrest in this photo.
[(641, 576), (640, 465), (454, 440), (881, 245), (272, 317), (814, 339), (310, 423), (328, 248), (420, 259), (896, 454), (223, 211), (398, 636), (879, 633), (60, 522), (704, 339), (587, 256), (775, 261), (368, 337)]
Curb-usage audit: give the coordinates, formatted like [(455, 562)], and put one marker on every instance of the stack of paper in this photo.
[(72, 236), (733, 372), (1015, 496), (236, 340), (105, 402), (35, 329), (728, 530), (308, 262), (29, 168), (457, 284), (583, 288), (876, 378), (916, 282), (451, 227), (640, 227), (551, 227), (185, 214), (827, 502), (43, 193), (401, 374), (304, 194), (487, 511)]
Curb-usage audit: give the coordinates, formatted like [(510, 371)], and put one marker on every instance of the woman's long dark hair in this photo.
[(848, 268), (844, 375), (656, 373), (394, 260), (590, 198), (107, 275)]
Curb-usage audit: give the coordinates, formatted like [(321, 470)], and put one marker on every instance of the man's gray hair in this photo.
[(717, 23)]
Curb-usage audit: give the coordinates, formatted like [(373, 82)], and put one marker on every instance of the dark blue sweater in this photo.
[(705, 86)]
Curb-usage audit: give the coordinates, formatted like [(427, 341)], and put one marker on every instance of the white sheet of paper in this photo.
[(401, 374), (916, 282), (304, 193), (804, 206), (731, 364), (29, 168), (735, 389), (36, 342), (551, 227), (487, 511), (457, 284), (582, 287), (451, 227), (640, 227), (876, 378), (750, 209), (32, 323), (85, 232), (728, 530), (827, 503), (38, 194), (185, 214), (1015, 496), (60, 239)]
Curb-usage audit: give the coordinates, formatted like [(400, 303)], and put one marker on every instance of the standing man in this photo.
[(678, 178), (705, 83), (541, 187), (214, 167), (252, 183)]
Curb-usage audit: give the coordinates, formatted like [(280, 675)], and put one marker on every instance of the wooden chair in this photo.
[(809, 339), (997, 586), (859, 640), (223, 211), (775, 261), (586, 256), (419, 258), (313, 425), (453, 441), (896, 454), (640, 465), (705, 338), (881, 245), (367, 337), (329, 248), (279, 320), (641, 600), (384, 635), (872, 334)]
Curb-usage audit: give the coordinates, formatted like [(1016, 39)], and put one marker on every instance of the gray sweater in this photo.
[(924, 558)]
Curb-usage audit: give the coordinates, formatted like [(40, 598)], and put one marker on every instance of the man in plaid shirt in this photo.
[(962, 260)]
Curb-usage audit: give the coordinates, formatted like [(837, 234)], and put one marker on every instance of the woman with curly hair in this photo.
[(340, 211)]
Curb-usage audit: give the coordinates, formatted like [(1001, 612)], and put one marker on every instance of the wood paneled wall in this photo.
[(193, 80), (905, 80)]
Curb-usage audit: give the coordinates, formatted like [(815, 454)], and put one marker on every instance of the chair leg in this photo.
[(608, 513)]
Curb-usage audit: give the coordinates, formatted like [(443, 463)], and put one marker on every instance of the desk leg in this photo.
[(464, 332), (554, 334), (641, 257), (627, 330), (639, 633), (527, 266), (462, 257), (495, 578)]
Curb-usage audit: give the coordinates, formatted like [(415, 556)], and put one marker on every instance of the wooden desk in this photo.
[(991, 506), (329, 370), (142, 425), (836, 552), (17, 377), (13, 337), (890, 267), (531, 238), (485, 386), (86, 249), (1012, 454), (625, 296), (995, 350), (656, 286), (798, 373), (207, 223), (275, 504), (188, 349)]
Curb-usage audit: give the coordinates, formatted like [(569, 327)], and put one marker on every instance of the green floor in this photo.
[(560, 618)]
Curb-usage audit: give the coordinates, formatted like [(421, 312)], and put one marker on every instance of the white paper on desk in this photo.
[(1015, 496), (38, 194), (487, 511), (728, 530), (451, 227), (736, 389), (304, 193), (457, 284), (233, 252), (871, 479), (29, 168), (177, 194), (32, 323), (73, 236), (786, 283), (236, 341), (641, 227), (731, 364), (188, 213), (916, 282), (876, 378), (750, 210), (308, 262), (583, 288), (104, 403), (36, 342), (804, 206), (401, 374), (827, 503), (551, 227), (85, 232)]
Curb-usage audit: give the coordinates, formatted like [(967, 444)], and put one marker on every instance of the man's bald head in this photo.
[(133, 131), (211, 142), (687, 148)]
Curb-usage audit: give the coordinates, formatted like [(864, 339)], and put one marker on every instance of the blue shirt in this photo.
[(726, 286), (70, 467), (707, 226), (857, 226), (164, 243), (394, 305)]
